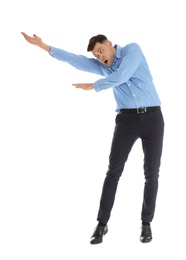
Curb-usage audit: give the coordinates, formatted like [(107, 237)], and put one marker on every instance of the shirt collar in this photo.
[(118, 53)]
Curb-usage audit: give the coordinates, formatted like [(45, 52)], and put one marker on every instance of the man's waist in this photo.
[(140, 110)]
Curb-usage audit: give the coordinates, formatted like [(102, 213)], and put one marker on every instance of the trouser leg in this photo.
[(152, 142), (123, 140)]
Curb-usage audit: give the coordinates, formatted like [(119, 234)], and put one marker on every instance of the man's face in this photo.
[(104, 52)]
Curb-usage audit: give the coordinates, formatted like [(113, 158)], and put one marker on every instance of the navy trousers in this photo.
[(149, 127)]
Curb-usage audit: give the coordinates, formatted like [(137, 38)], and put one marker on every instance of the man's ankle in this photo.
[(101, 224), (145, 223)]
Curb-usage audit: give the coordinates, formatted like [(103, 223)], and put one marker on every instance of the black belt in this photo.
[(140, 110)]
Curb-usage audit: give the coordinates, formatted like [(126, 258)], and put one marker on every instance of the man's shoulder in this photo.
[(128, 46), (132, 45)]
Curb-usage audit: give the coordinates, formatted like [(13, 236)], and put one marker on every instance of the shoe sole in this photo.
[(146, 241)]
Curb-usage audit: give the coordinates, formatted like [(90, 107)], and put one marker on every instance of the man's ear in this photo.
[(110, 43)]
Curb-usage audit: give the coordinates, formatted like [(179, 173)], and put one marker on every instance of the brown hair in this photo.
[(98, 38)]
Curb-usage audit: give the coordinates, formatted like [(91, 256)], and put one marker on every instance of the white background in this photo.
[(55, 139)]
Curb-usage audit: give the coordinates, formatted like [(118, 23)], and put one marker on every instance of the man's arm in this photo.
[(35, 40)]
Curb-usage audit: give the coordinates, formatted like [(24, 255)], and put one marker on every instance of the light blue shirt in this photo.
[(129, 75)]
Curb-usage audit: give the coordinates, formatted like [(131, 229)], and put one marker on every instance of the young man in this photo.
[(139, 115)]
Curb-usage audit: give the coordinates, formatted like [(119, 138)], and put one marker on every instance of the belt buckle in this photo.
[(141, 110)]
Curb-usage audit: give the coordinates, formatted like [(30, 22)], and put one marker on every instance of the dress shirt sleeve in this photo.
[(130, 61), (80, 62)]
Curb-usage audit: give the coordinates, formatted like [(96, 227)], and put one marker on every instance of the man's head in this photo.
[(102, 49)]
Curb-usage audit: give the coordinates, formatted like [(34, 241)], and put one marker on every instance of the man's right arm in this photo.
[(78, 61)]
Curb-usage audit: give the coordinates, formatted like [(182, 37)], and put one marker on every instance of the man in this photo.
[(139, 115)]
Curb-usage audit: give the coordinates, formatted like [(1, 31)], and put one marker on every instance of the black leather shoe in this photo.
[(98, 234), (146, 234)]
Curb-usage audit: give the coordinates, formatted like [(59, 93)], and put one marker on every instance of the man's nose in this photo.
[(101, 58)]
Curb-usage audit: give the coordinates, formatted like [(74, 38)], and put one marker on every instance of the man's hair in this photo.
[(98, 38)]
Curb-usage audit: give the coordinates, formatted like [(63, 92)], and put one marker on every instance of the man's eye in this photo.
[(101, 51)]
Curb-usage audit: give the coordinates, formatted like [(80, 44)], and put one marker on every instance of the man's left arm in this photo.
[(130, 62)]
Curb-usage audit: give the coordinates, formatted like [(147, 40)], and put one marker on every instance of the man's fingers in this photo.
[(26, 36), (76, 85)]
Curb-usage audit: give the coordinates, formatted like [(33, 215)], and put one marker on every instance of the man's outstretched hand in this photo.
[(36, 40), (84, 86), (33, 40)]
